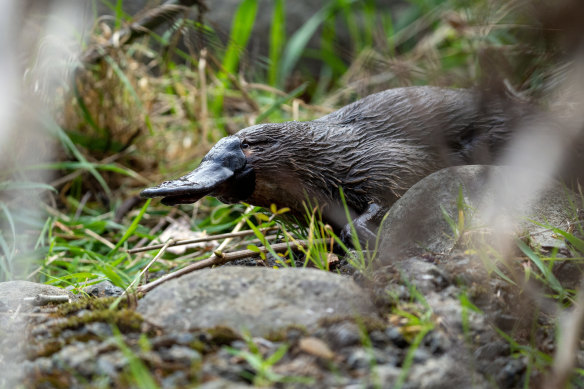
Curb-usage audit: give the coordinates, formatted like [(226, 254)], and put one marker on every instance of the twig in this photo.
[(26, 314), (219, 260), (99, 238), (235, 229), (268, 238), (50, 260), (188, 256), (82, 203), (160, 253), (43, 299), (233, 234), (161, 223), (52, 211)]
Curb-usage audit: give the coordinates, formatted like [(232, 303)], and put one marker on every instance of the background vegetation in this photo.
[(135, 112), (149, 109)]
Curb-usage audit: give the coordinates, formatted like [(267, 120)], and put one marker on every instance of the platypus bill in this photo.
[(375, 149)]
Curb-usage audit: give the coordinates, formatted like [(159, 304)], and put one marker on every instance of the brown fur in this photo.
[(375, 148)]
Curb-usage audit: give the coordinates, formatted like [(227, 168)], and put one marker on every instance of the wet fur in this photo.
[(375, 148)]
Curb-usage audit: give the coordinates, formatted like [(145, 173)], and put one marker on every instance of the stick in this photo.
[(164, 247), (219, 258), (42, 299), (234, 234)]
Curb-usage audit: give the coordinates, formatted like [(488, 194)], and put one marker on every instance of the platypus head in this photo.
[(228, 171), (224, 173)]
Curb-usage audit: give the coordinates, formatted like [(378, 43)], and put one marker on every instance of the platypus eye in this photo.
[(244, 145)]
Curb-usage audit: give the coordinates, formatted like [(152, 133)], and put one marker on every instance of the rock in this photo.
[(14, 293), (258, 300), (416, 223), (344, 334), (445, 373), (181, 354), (426, 276), (359, 358), (396, 337), (221, 383), (104, 289), (316, 347)]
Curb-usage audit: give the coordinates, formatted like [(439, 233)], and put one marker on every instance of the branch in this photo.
[(219, 258), (198, 240)]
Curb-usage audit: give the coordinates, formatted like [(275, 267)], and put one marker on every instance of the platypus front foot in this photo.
[(365, 236), (366, 226)]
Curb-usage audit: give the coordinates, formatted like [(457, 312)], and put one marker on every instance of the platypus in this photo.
[(374, 149)]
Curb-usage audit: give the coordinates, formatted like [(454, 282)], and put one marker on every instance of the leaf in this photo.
[(254, 248), (262, 217)]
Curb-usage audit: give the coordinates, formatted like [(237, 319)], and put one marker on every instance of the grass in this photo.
[(139, 117), (415, 321)]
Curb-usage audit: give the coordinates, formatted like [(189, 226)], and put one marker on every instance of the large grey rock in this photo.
[(259, 300), (496, 199)]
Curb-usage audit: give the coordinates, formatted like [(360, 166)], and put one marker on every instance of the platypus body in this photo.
[(374, 149)]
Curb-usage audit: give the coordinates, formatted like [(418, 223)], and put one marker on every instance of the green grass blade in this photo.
[(243, 23), (132, 227), (262, 238), (352, 24), (355, 237), (25, 185), (119, 12), (549, 277), (409, 359), (139, 371), (277, 40), (574, 240), (298, 41), (69, 145), (85, 114)]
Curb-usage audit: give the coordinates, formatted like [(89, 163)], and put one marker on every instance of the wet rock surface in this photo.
[(431, 319)]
